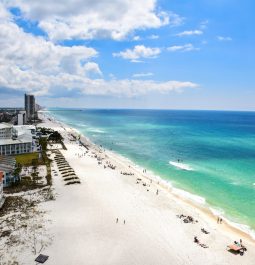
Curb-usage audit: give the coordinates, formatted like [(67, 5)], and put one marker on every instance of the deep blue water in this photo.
[(218, 146)]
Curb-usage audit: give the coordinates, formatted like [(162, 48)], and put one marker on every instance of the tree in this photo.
[(55, 137)]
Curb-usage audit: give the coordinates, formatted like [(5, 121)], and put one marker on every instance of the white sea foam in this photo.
[(216, 211), (181, 165), (189, 196), (235, 183), (95, 130), (244, 228), (121, 144)]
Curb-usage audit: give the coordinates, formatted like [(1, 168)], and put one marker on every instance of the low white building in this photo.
[(22, 118), (17, 139)]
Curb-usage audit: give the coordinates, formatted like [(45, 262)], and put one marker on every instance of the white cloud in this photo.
[(138, 52), (4, 14), (175, 20), (91, 67), (190, 33), (136, 38), (220, 38), (140, 75), (153, 37), (30, 63), (30, 52), (203, 24), (184, 48), (131, 88), (33, 64), (86, 19)]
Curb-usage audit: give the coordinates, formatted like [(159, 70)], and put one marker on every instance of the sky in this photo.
[(165, 54)]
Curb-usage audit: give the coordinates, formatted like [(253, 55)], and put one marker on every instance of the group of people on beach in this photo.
[(117, 221), (240, 243), (200, 244), (110, 165), (138, 180), (127, 173), (187, 219), (219, 220), (80, 155)]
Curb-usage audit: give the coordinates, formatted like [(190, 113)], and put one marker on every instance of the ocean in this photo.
[(210, 154)]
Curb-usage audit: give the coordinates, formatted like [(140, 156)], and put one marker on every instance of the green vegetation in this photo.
[(32, 159), (43, 142), (27, 159), (55, 137), (45, 130), (17, 170)]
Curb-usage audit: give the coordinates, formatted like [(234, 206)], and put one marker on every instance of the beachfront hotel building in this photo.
[(30, 107), (7, 168), (17, 139)]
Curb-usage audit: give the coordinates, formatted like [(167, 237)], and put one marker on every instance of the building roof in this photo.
[(24, 127), (24, 135), (4, 125), (22, 139)]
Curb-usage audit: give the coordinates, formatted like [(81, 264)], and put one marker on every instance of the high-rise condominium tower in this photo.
[(30, 107)]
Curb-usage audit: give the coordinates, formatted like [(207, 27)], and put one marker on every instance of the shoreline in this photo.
[(204, 207), (129, 219)]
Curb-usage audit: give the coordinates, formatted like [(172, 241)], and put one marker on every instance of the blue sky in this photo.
[(128, 54)]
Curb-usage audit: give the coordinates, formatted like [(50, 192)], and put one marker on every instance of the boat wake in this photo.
[(181, 166)]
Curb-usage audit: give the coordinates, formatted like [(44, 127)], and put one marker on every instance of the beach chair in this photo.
[(41, 259), (236, 249)]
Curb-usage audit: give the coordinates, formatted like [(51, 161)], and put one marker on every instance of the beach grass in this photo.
[(27, 159)]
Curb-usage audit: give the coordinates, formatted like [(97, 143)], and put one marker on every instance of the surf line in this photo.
[(181, 165)]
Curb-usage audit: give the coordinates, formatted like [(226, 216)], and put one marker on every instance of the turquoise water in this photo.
[(218, 147)]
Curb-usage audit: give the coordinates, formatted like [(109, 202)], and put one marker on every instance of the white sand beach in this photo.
[(85, 229)]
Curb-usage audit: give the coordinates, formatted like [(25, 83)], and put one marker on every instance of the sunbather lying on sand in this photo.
[(204, 231)]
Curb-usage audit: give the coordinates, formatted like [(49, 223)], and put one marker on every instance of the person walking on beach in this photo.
[(124, 222), (157, 192), (117, 220)]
